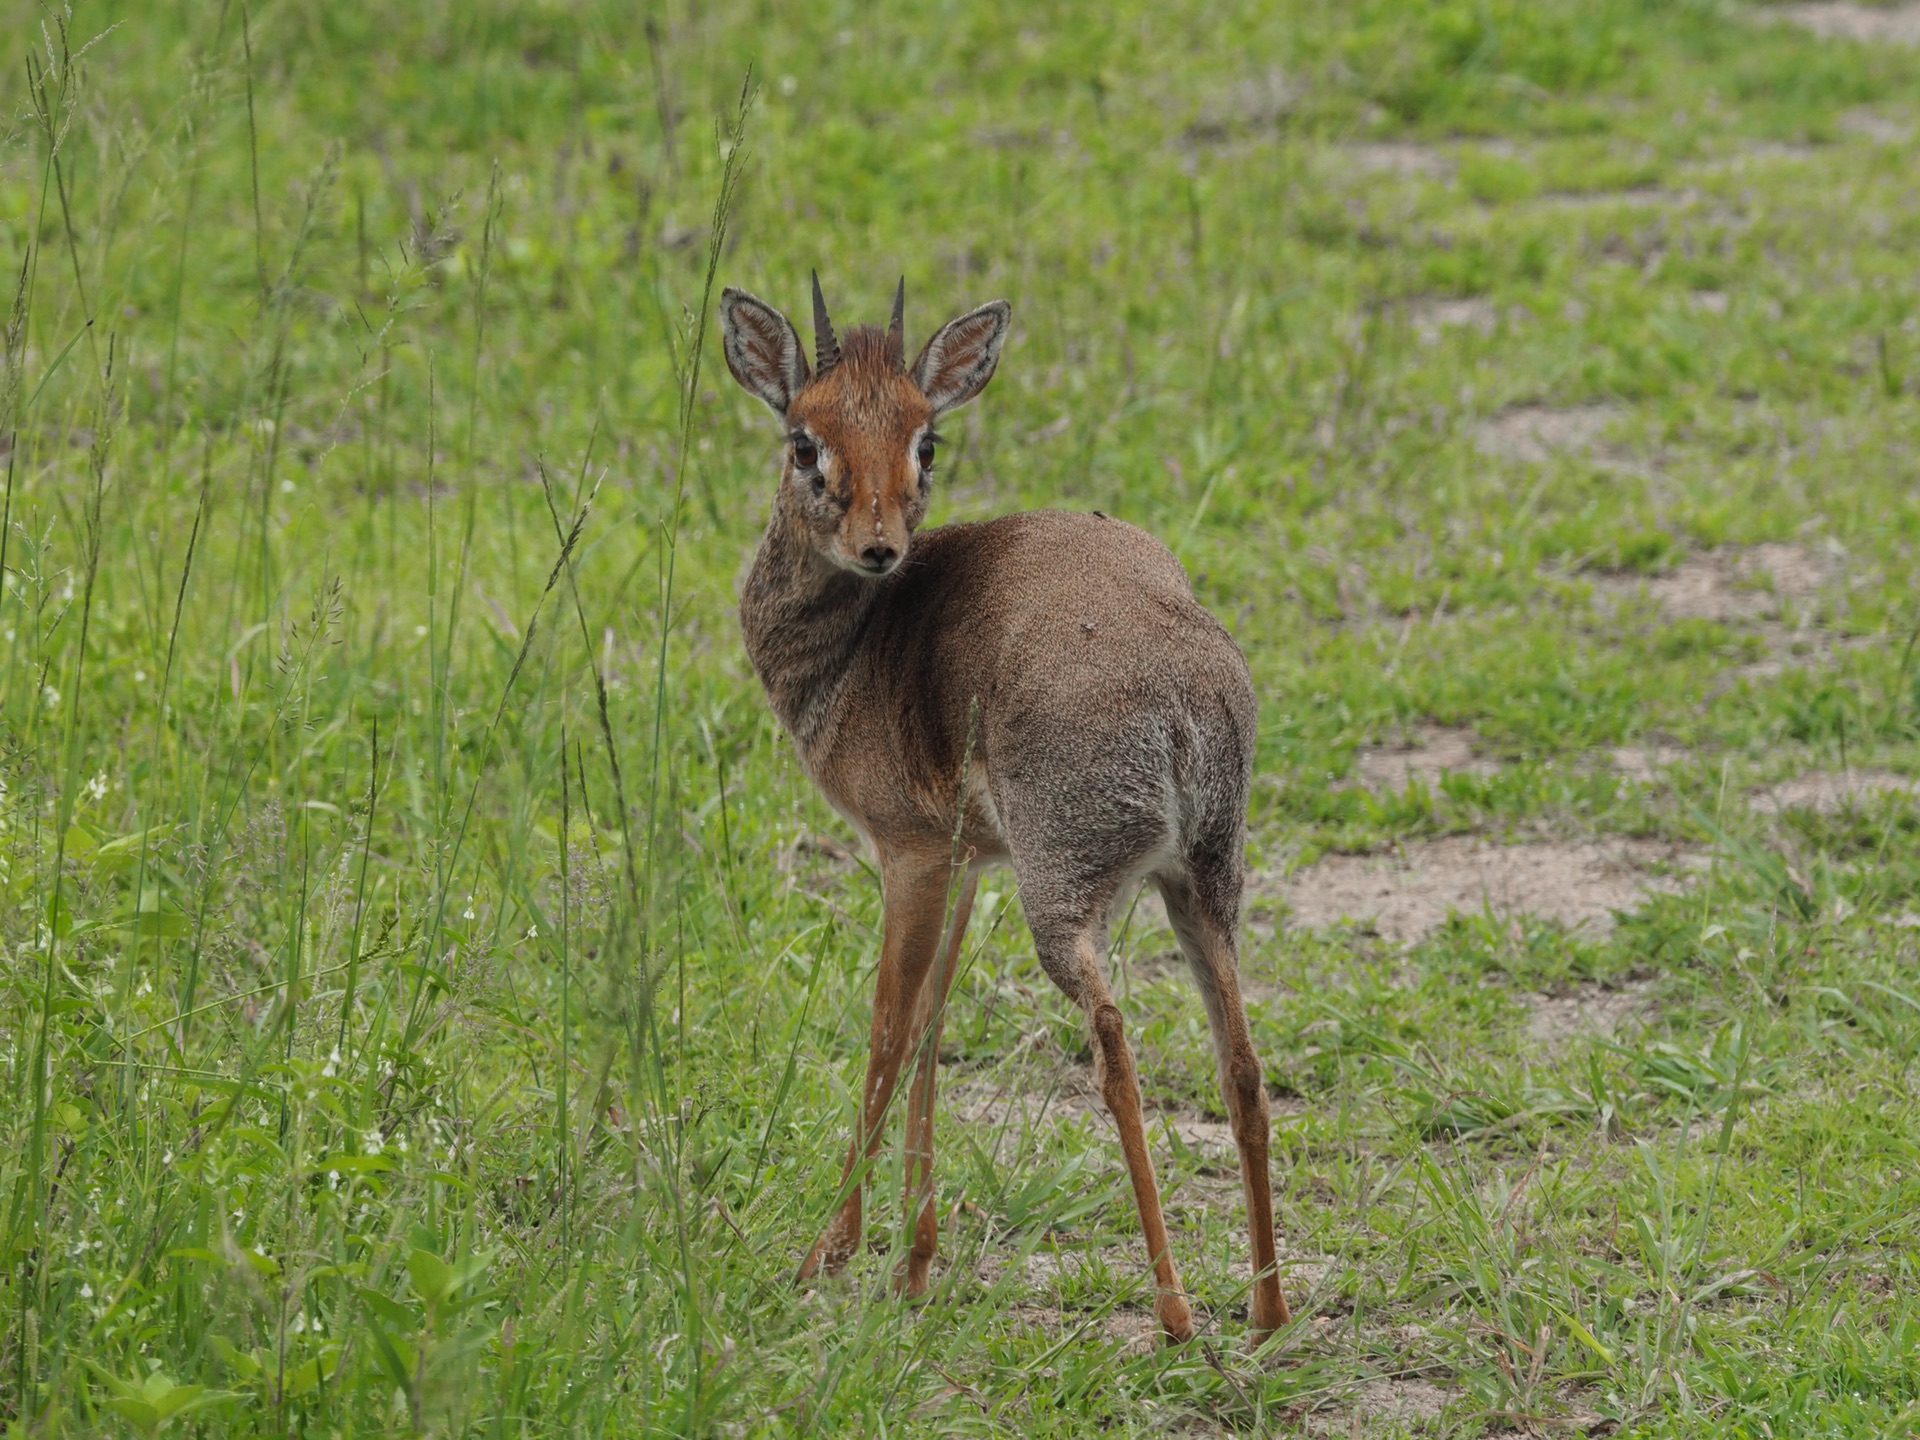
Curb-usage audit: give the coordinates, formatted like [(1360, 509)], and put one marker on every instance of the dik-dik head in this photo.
[(860, 436)]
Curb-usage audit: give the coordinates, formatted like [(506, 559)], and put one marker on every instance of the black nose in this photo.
[(879, 557)]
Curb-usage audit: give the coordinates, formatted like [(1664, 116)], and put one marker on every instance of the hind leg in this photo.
[(1072, 959), (1205, 918)]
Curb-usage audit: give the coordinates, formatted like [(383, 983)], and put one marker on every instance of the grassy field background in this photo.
[(432, 999)]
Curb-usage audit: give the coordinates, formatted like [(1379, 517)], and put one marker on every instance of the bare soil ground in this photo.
[(1733, 585), (1589, 1010), (1398, 158), (1411, 892), (1876, 126), (1428, 753), (1387, 1406), (1825, 793), (1431, 317), (1639, 195), (1134, 1328), (1648, 761), (1535, 433), (1869, 24)]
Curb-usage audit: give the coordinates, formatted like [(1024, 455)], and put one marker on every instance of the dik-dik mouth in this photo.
[(874, 561)]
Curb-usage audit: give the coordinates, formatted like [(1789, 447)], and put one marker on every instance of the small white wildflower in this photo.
[(86, 1292), (167, 1159), (238, 1216), (299, 1325), (467, 914), (287, 487), (97, 786), (419, 630), (52, 697), (332, 1065), (139, 677), (533, 932), (373, 1142), (788, 84), (333, 1179)]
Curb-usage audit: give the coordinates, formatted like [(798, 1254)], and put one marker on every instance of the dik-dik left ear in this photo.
[(959, 361), (763, 350)]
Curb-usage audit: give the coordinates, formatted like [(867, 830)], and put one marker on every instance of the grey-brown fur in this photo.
[(1116, 716), (1110, 720)]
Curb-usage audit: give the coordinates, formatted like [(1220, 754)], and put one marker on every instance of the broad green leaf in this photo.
[(264, 1264), (387, 1308), (233, 1357), (432, 1277), (309, 1373)]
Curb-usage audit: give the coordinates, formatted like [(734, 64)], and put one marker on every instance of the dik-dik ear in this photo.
[(958, 361), (763, 351)]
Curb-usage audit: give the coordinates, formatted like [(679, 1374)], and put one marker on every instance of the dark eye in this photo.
[(805, 454), (926, 452)]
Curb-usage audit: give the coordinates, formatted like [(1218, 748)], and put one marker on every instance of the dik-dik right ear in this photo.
[(959, 360), (763, 350)]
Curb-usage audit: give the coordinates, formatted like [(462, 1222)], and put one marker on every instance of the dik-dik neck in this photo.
[(803, 620)]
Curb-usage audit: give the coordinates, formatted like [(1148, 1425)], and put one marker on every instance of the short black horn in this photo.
[(897, 331), (826, 349)]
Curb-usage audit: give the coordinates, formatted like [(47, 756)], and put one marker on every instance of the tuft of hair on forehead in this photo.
[(868, 353)]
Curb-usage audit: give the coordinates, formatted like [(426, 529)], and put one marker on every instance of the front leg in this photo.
[(914, 887), (914, 1273)]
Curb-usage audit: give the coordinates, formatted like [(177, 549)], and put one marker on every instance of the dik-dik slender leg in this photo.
[(1080, 976), (1213, 956), (929, 1019), (914, 888)]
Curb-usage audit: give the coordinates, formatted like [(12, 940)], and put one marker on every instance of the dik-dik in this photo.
[(1103, 718)]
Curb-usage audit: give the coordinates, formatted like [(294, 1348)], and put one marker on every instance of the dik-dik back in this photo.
[(1109, 719)]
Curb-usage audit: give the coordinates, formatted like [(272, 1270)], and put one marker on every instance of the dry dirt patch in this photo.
[(1410, 893), (1730, 584), (1870, 24), (1872, 125), (1429, 753), (1256, 103), (1431, 317), (1639, 196), (1391, 157), (1588, 1010), (1136, 1330), (1757, 154), (1404, 1405), (1644, 764), (1825, 793), (1535, 433)]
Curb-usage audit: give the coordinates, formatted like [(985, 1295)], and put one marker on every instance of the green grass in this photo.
[(424, 1005)]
